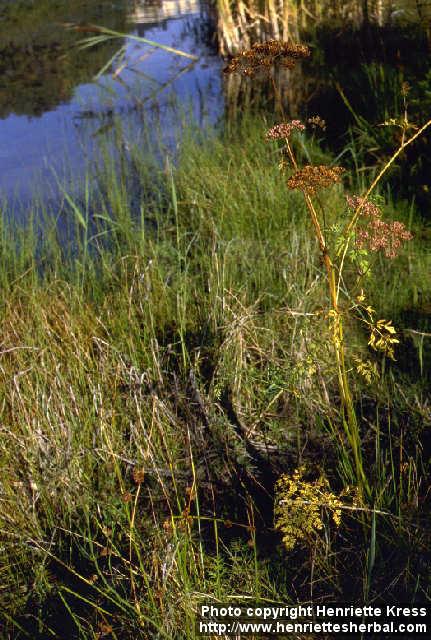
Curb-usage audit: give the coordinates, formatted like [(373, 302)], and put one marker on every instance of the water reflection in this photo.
[(53, 109), (157, 12), (37, 70)]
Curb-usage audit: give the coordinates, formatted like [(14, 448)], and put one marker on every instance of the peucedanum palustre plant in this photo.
[(362, 233), (304, 507)]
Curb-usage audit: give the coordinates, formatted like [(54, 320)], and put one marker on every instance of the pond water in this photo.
[(56, 106)]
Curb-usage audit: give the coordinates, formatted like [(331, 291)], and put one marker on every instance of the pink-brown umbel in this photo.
[(374, 233), (283, 130)]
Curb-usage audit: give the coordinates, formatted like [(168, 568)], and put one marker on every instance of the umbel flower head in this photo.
[(368, 208), (317, 122), (301, 507), (376, 234), (312, 178), (264, 55), (283, 130)]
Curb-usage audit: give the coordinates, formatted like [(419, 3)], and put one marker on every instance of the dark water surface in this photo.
[(54, 107)]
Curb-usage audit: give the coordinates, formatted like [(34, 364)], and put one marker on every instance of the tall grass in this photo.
[(244, 22), (159, 371)]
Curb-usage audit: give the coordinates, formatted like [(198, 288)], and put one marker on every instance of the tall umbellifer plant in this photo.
[(364, 232)]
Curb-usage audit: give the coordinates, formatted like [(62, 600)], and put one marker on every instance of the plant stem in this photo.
[(350, 422)]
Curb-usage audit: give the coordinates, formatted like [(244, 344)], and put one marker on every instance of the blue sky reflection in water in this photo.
[(152, 91)]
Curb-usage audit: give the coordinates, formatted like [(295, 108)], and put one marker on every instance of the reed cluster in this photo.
[(244, 22)]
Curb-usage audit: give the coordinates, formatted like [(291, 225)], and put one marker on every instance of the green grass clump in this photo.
[(160, 370)]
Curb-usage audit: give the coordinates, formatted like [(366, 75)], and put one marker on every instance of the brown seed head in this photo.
[(310, 178), (105, 629), (284, 130), (138, 475), (167, 525), (405, 89), (264, 55), (191, 493), (317, 121)]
